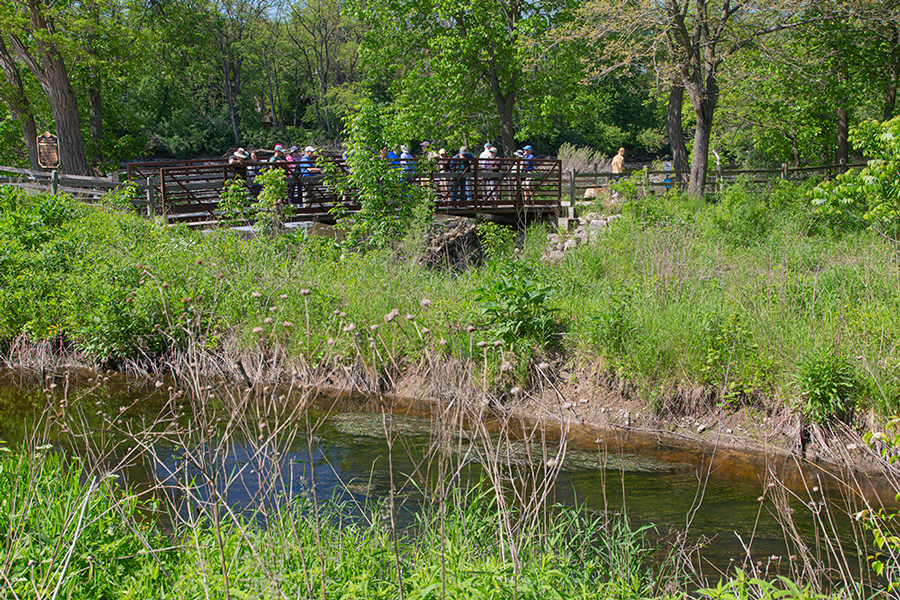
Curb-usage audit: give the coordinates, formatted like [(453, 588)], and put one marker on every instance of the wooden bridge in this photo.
[(508, 190)]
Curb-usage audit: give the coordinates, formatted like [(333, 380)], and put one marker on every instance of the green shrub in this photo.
[(515, 307), (742, 216), (497, 240), (828, 385)]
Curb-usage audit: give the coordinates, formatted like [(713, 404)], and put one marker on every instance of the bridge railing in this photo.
[(461, 186)]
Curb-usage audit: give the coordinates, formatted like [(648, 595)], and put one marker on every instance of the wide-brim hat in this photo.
[(241, 153)]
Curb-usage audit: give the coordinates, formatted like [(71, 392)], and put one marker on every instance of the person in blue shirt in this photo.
[(528, 167)]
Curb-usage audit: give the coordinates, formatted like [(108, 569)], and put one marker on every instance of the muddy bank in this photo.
[(594, 405)]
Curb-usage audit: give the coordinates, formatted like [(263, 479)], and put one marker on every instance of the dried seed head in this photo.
[(442, 342), (425, 303), (515, 391), (391, 315), (425, 331), (255, 294), (273, 308), (481, 344), (304, 292), (287, 324), (543, 366), (283, 296), (375, 327), (349, 327), (470, 328), (409, 317), (498, 343), (257, 329), (267, 320), (505, 366)]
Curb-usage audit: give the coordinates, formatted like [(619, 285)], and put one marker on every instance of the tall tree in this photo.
[(20, 107), (462, 65), (32, 36), (690, 41)]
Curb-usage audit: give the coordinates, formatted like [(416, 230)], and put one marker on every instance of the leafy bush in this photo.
[(742, 216), (828, 384), (870, 194), (515, 306), (497, 240)]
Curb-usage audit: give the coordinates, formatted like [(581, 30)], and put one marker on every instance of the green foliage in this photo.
[(388, 201), (742, 216), (271, 204), (742, 587), (236, 205), (828, 384), (515, 306), (72, 537), (497, 241), (871, 193), (734, 364)]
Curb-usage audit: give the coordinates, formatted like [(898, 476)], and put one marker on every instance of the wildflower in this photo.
[(425, 303), (255, 294)]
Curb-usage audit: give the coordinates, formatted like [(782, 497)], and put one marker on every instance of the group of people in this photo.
[(454, 181), (248, 165)]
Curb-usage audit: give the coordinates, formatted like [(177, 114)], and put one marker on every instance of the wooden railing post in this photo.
[(784, 171), (54, 181), (646, 180), (162, 191), (151, 198), (572, 187)]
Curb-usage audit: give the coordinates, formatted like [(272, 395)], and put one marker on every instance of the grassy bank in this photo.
[(748, 299)]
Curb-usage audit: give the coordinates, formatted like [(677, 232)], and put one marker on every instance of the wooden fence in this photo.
[(658, 182)]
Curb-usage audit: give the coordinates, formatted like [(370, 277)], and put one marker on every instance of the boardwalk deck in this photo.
[(511, 190)]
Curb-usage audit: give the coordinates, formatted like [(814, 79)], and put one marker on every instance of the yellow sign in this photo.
[(48, 150)]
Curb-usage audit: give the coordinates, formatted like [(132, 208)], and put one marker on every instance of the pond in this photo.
[(735, 506)]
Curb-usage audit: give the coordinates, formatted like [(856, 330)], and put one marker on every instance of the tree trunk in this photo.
[(54, 79), (229, 97), (95, 112), (703, 99), (843, 149), (19, 105), (675, 131)]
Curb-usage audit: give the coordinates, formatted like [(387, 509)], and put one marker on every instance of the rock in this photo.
[(555, 256), (569, 244), (453, 245), (598, 224)]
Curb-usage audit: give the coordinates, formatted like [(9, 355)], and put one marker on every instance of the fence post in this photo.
[(596, 174), (115, 176), (572, 187), (784, 171), (151, 199), (162, 190), (54, 182), (646, 180)]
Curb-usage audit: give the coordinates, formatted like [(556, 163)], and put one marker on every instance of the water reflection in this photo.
[(712, 493)]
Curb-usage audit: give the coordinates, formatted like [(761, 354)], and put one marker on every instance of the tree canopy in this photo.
[(767, 81)]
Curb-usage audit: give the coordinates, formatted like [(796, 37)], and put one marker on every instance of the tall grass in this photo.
[(729, 298)]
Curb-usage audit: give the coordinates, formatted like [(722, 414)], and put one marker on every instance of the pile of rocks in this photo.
[(453, 244), (589, 229)]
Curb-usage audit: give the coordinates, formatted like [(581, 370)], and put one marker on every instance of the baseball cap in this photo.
[(309, 149)]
